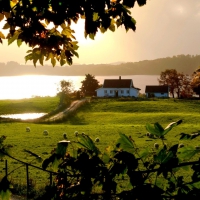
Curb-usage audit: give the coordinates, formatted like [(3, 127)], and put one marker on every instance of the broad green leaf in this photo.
[(196, 185), (63, 25), (6, 26), (50, 55), (4, 189), (153, 130), (5, 195), (1, 16), (19, 42), (126, 143), (103, 30), (186, 153), (47, 22), (145, 153), (95, 17), (62, 147), (62, 61), (2, 35), (91, 36), (29, 57), (49, 160), (158, 128), (12, 39), (86, 142), (29, 51), (67, 31), (41, 59), (112, 27), (118, 22), (163, 156), (13, 3)]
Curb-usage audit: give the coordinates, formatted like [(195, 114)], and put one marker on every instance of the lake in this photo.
[(19, 87)]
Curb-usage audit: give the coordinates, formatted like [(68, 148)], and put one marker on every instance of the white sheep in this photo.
[(28, 129), (97, 139), (181, 145), (76, 133), (45, 132), (65, 135), (156, 145)]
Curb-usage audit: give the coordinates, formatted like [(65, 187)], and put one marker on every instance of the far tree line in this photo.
[(181, 85)]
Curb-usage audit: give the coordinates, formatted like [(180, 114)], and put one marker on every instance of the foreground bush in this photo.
[(123, 171)]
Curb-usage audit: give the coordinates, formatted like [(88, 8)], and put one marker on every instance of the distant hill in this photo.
[(182, 63)]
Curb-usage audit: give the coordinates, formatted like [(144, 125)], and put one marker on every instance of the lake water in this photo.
[(19, 87), (24, 116)]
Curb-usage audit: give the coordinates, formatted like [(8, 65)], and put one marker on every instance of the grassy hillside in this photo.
[(103, 118), (32, 105)]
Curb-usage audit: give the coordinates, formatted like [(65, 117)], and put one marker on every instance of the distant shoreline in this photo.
[(186, 64)]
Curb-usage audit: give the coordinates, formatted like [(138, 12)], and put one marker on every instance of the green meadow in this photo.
[(102, 118)]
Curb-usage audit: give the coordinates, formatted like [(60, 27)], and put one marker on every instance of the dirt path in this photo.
[(74, 105)]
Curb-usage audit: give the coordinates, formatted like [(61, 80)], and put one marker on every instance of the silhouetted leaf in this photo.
[(2, 35), (126, 143), (186, 153), (86, 142)]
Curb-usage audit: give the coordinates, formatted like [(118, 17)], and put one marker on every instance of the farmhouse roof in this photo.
[(157, 89), (118, 83)]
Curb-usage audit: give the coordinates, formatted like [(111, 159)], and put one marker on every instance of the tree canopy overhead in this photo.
[(27, 21)]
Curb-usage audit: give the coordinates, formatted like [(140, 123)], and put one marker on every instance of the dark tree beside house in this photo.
[(89, 85), (178, 83), (195, 83)]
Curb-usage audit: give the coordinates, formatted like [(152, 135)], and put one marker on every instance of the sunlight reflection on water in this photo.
[(19, 87), (23, 116)]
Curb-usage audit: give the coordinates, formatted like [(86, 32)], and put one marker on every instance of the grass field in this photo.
[(103, 118)]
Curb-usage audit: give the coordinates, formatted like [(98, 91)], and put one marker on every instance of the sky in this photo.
[(164, 28)]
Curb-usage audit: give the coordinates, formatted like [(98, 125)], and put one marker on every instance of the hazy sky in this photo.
[(164, 28)]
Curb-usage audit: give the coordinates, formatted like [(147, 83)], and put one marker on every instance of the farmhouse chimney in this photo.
[(119, 77)]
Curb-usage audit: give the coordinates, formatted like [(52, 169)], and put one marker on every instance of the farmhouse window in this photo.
[(162, 93), (127, 91), (122, 91), (111, 91), (105, 91)]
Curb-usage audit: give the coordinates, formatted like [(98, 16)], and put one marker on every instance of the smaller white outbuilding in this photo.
[(118, 88), (157, 91)]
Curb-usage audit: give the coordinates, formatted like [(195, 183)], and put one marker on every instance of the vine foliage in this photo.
[(124, 171), (27, 21)]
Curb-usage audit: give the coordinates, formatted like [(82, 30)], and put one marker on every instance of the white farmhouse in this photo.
[(118, 88), (157, 91)]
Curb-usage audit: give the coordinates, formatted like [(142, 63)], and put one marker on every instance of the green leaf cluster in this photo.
[(28, 20)]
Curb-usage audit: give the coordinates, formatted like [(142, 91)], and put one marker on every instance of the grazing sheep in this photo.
[(147, 134), (76, 133), (151, 135), (65, 135), (45, 132), (97, 139), (28, 129), (181, 145), (156, 145)]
